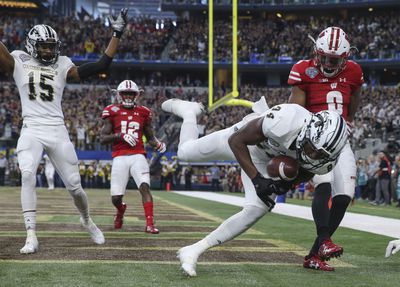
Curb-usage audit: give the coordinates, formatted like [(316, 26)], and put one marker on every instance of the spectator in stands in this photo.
[(188, 177), (383, 183), (215, 174), (362, 179), (3, 166)]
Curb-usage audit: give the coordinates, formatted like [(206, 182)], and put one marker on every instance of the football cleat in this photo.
[(151, 229), (188, 257), (95, 233), (181, 108), (314, 262), (31, 245), (119, 217), (328, 250)]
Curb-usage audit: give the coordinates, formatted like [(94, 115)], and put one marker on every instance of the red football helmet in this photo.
[(332, 49)]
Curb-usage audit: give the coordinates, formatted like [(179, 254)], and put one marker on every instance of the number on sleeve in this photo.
[(335, 101)]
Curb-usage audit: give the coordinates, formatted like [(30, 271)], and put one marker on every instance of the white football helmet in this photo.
[(332, 48), (128, 91), (42, 43), (321, 140)]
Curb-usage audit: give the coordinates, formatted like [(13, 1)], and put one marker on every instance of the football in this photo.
[(283, 167)]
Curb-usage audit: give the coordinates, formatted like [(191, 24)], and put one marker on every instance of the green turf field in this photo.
[(269, 254)]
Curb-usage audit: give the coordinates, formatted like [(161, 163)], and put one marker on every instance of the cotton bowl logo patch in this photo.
[(311, 72), (24, 57)]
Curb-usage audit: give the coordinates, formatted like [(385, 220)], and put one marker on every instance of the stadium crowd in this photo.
[(260, 40)]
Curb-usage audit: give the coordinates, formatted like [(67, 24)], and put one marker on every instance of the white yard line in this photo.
[(369, 223)]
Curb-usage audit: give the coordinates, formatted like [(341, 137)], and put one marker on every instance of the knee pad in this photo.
[(181, 152), (254, 213), (73, 183), (28, 179)]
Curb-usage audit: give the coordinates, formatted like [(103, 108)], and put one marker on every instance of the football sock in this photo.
[(81, 203), (320, 211), (232, 227), (28, 199), (337, 211), (30, 220), (148, 212), (119, 207)]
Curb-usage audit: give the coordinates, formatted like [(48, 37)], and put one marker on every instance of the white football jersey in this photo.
[(40, 88)]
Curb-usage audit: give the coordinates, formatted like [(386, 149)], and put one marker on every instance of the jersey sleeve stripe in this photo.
[(294, 78), (295, 73)]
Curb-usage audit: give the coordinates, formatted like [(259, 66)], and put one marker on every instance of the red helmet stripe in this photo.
[(331, 39), (337, 39)]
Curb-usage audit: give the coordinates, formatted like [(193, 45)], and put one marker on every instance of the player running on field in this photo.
[(124, 125)]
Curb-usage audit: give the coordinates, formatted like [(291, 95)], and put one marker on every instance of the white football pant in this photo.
[(215, 147), (123, 166), (55, 141)]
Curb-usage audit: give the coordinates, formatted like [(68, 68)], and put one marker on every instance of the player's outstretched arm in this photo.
[(6, 60), (297, 96), (77, 73), (155, 143), (392, 248)]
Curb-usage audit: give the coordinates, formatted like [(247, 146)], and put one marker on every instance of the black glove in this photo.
[(119, 23), (264, 187)]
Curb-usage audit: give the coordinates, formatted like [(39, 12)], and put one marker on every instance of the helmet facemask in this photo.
[(128, 98), (330, 65)]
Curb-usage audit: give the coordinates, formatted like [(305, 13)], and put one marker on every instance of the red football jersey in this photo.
[(127, 121), (323, 93)]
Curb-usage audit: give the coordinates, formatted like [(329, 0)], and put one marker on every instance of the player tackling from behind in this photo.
[(41, 74), (288, 129), (329, 81), (124, 125)]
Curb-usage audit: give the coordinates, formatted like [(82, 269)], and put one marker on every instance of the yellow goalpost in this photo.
[(229, 99)]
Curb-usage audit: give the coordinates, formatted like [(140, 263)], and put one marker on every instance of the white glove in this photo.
[(392, 248), (119, 23), (130, 139), (161, 147)]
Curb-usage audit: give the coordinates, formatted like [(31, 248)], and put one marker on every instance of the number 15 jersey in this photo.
[(127, 121), (323, 93), (40, 88)]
